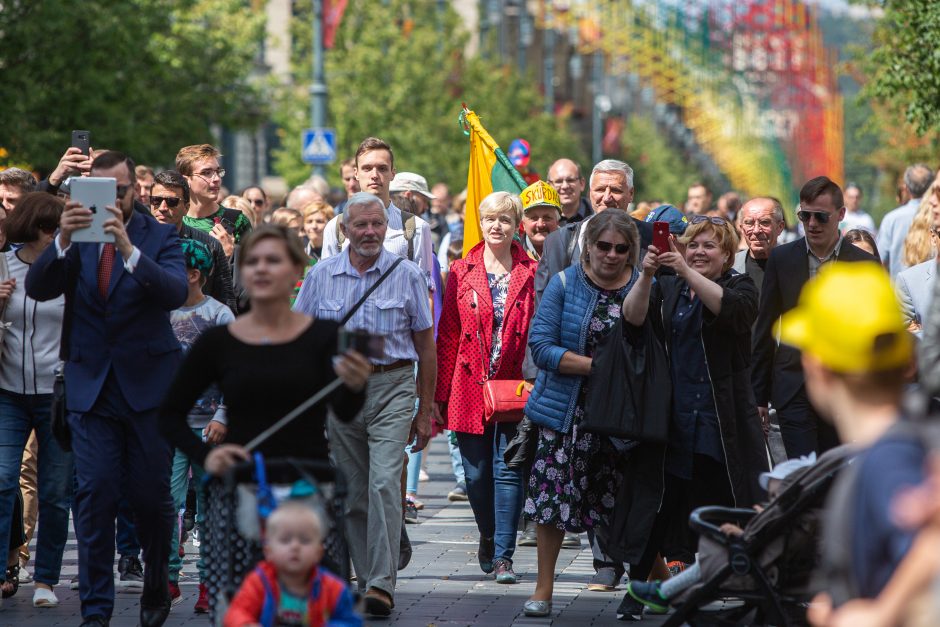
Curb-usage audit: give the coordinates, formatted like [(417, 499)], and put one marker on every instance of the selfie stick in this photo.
[(283, 422)]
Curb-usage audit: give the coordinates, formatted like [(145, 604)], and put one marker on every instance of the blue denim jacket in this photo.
[(561, 324)]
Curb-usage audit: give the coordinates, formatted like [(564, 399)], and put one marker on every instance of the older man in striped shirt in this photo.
[(368, 450)]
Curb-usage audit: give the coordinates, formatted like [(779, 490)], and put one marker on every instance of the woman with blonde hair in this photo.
[(919, 245), (317, 215), (244, 205)]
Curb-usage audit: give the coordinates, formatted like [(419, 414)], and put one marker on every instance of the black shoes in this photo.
[(95, 621), (130, 572), (154, 615), (486, 553)]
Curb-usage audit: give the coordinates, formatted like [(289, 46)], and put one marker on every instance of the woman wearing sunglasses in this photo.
[(574, 481), (28, 359), (716, 450)]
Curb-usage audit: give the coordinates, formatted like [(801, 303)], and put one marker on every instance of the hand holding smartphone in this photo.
[(661, 236), (82, 141)]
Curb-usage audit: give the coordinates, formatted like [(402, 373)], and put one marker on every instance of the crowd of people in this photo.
[(751, 352)]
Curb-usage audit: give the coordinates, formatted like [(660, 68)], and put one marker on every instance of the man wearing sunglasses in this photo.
[(777, 373), (169, 201)]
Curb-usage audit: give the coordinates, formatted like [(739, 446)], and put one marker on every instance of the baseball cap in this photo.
[(539, 194), (784, 469), (197, 255), (667, 213), (518, 153), (849, 318), (411, 182)]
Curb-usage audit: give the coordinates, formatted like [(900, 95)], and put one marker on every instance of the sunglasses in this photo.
[(605, 247), (713, 219), (122, 190), (258, 202), (171, 201), (821, 216)]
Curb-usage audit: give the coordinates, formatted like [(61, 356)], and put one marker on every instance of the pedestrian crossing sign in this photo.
[(319, 145)]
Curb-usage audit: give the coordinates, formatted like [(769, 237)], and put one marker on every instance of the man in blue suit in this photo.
[(120, 354)]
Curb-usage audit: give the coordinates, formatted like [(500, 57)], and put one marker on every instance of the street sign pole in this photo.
[(318, 84)]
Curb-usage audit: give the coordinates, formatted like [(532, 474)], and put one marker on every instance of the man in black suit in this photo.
[(777, 373)]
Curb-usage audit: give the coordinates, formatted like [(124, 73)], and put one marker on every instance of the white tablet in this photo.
[(95, 193)]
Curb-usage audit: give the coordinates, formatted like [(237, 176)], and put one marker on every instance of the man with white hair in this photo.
[(369, 448), (896, 224)]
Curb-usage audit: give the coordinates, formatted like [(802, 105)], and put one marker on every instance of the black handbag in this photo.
[(630, 386), (520, 450), (60, 426)]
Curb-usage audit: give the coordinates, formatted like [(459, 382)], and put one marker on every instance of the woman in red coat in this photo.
[(488, 303)]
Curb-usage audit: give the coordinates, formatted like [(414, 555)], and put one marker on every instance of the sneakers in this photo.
[(197, 537), (413, 499), (423, 475), (411, 513), (25, 575), (175, 595), (647, 593), (571, 541), (504, 572), (459, 493), (537, 609), (630, 610), (604, 580), (73, 583), (528, 537), (202, 603), (44, 598), (131, 572), (485, 554)]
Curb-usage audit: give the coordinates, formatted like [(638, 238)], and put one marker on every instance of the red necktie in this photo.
[(104, 269)]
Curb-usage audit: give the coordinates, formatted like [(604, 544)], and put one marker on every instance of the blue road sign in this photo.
[(319, 145)]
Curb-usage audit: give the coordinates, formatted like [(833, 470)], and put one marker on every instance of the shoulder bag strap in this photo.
[(409, 226), (369, 291)]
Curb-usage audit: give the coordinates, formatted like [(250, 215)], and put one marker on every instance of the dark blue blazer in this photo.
[(130, 330)]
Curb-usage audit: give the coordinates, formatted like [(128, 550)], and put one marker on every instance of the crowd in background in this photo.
[(211, 315)]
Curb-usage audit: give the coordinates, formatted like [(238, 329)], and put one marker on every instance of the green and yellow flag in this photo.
[(490, 171)]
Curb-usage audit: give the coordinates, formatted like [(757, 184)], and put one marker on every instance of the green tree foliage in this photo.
[(144, 76), (905, 64), (659, 170), (398, 71)]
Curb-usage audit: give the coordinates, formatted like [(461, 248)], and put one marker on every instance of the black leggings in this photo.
[(671, 535)]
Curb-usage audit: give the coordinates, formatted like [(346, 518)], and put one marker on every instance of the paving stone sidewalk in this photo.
[(442, 586)]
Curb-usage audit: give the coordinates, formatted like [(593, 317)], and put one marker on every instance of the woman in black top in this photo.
[(266, 363)]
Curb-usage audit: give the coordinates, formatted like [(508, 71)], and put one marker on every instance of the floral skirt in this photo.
[(574, 479)]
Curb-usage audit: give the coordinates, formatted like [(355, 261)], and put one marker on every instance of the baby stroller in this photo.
[(238, 503), (764, 574)]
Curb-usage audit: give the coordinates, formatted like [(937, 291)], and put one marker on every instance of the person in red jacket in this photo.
[(288, 587), (488, 303)]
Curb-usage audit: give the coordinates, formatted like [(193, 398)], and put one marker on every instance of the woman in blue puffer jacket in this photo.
[(574, 478)]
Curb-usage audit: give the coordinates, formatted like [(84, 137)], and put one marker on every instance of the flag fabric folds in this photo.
[(490, 171)]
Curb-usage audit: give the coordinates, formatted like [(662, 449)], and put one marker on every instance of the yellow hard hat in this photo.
[(849, 318), (539, 194)]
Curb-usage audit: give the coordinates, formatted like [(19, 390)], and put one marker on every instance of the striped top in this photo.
[(394, 310)]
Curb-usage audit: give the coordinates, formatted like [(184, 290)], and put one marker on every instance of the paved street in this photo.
[(443, 585)]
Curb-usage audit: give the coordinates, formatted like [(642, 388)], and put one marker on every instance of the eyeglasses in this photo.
[(569, 181), (122, 190), (605, 247), (207, 175), (821, 216), (713, 219), (171, 201), (766, 223)]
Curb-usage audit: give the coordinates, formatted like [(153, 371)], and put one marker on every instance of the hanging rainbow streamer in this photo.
[(751, 79)]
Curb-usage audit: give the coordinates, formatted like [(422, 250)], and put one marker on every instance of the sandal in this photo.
[(12, 579)]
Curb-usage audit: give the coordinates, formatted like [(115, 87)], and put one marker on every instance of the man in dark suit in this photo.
[(777, 373), (120, 354)]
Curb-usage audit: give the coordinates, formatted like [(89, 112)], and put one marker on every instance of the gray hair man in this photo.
[(14, 184), (368, 450), (762, 222), (896, 224)]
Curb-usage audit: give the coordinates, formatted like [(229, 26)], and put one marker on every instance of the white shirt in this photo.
[(395, 241), (857, 220)]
